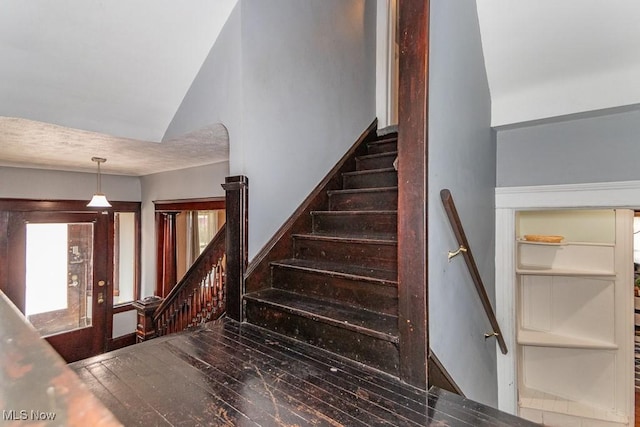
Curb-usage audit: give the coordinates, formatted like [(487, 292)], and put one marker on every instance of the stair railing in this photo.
[(200, 295), (465, 250)]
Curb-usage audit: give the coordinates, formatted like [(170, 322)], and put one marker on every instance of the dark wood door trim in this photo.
[(412, 189), (79, 343), (27, 205), (209, 204)]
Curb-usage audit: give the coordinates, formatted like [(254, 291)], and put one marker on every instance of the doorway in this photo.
[(636, 319), (613, 195), (183, 230), (58, 276), (73, 271)]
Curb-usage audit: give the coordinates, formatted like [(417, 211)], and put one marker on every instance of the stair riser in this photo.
[(387, 178), (369, 255), (361, 224), (372, 351), (383, 147), (369, 163), (371, 296), (383, 200)]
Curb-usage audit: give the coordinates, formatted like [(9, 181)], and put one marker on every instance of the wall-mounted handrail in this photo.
[(458, 230)]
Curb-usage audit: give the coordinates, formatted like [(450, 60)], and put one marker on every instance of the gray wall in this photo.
[(308, 71), (198, 182), (215, 95), (462, 159), (583, 150), (24, 183), (294, 84)]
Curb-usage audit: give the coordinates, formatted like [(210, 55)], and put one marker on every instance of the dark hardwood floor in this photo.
[(230, 374)]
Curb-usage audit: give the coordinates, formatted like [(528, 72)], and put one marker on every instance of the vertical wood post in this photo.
[(237, 198), (166, 252), (170, 264), (413, 23), (146, 329)]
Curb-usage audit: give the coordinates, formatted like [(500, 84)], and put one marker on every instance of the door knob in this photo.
[(100, 298)]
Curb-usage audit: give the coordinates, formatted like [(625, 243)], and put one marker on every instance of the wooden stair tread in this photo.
[(380, 326), (377, 155), (384, 140), (362, 190), (356, 212), (373, 224), (368, 172), (347, 239), (381, 277)]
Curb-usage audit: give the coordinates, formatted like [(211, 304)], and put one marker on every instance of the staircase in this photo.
[(338, 288)]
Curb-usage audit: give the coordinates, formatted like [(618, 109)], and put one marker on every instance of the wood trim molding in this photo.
[(440, 377), (412, 190), (27, 205), (122, 341), (237, 217), (506, 308), (605, 194), (213, 203)]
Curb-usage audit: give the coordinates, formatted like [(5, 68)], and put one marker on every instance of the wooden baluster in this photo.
[(194, 307), (195, 296)]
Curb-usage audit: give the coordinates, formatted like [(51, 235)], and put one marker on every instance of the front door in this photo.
[(59, 277)]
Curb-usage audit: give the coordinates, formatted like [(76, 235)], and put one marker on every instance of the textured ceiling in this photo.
[(29, 143)]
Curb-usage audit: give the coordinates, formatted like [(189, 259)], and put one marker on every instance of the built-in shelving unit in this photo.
[(570, 306)]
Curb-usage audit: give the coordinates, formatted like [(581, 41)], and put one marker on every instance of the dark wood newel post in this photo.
[(237, 195), (146, 328), (413, 23)]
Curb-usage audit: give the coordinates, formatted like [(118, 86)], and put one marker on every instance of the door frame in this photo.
[(509, 200), (8, 206), (78, 343), (165, 225)]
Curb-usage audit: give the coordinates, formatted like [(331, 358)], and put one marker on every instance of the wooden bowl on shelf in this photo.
[(542, 238)]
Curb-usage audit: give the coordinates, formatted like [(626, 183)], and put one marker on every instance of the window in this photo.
[(125, 275)]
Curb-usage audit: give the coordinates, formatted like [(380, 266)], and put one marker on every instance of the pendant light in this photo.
[(99, 200)]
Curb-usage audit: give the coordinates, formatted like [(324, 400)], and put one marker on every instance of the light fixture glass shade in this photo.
[(99, 201)]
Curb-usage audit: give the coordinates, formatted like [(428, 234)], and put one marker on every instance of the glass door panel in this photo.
[(59, 276)]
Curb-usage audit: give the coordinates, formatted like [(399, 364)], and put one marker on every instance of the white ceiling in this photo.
[(84, 78), (111, 75), (550, 58)]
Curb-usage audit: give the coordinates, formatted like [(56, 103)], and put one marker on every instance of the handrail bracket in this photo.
[(453, 254)]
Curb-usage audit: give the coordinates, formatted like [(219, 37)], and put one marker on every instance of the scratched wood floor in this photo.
[(228, 374)]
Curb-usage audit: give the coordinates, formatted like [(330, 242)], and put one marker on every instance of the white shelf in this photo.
[(548, 339), (544, 271), (527, 242), (566, 259), (540, 401)]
